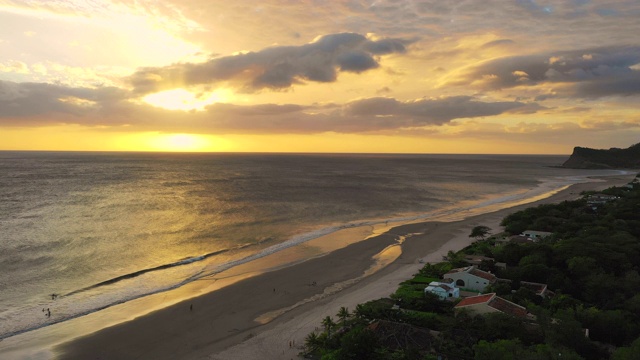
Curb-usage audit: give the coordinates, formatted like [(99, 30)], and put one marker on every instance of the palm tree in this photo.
[(343, 315), (359, 312), (328, 325), (311, 342)]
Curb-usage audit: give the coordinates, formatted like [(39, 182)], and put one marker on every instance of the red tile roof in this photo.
[(483, 274), (495, 302), (508, 307), (455, 271), (535, 287), (473, 300)]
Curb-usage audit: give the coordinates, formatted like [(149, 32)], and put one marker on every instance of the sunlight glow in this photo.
[(179, 143), (181, 99)]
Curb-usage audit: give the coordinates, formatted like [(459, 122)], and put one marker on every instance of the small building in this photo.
[(444, 290), (471, 278), (539, 289), (520, 239), (595, 200), (477, 259), (490, 303), (535, 235)]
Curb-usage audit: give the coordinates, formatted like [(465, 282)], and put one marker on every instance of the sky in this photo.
[(348, 76)]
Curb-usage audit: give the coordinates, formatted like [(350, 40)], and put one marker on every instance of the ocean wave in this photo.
[(148, 270)]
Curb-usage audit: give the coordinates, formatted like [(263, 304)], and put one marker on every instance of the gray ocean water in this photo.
[(99, 229)]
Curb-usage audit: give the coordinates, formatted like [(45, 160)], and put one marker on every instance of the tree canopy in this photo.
[(480, 232)]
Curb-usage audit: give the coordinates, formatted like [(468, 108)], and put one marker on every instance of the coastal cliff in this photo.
[(586, 158)]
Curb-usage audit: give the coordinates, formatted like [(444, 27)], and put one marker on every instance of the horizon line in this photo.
[(264, 152)]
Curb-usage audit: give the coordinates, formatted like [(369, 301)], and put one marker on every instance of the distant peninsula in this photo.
[(614, 158)]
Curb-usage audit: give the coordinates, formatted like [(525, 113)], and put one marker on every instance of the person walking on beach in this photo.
[(191, 307)]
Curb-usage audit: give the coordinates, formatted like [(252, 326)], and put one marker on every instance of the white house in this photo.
[(471, 278), (443, 290)]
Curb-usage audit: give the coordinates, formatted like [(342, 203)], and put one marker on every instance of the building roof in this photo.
[(495, 302), (536, 232), (458, 270), (473, 271), (473, 300), (519, 239), (434, 284), (483, 274), (508, 307), (535, 287), (477, 259)]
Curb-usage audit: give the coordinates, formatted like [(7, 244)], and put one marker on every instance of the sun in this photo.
[(181, 99), (179, 143), (172, 142)]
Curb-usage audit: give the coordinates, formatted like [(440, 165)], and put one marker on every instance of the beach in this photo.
[(267, 316)]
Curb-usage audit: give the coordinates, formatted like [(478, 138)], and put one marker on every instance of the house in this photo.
[(443, 290), (490, 303), (520, 239), (535, 235), (599, 199), (471, 278), (477, 259), (539, 289)]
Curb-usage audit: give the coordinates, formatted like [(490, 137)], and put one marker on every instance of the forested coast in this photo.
[(588, 261)]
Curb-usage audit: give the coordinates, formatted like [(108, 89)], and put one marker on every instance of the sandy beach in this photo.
[(224, 324)]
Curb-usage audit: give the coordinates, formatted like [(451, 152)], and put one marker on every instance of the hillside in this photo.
[(614, 158)]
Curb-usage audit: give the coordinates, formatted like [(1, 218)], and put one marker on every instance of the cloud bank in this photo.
[(33, 104), (276, 67), (589, 73)]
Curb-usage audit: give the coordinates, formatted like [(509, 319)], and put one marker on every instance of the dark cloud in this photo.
[(31, 104), (356, 62), (628, 84), (385, 46), (370, 115), (428, 111), (276, 67), (25, 100), (589, 72)]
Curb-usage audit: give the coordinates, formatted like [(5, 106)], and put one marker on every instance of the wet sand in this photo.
[(223, 324)]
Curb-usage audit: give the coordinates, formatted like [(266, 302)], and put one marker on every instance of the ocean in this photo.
[(81, 232)]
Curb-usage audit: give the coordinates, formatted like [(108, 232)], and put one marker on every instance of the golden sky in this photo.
[(433, 76)]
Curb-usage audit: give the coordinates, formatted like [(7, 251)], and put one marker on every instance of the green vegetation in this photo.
[(591, 265), (480, 232), (586, 158)]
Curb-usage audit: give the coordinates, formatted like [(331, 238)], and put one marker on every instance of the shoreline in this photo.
[(226, 317), (296, 325)]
